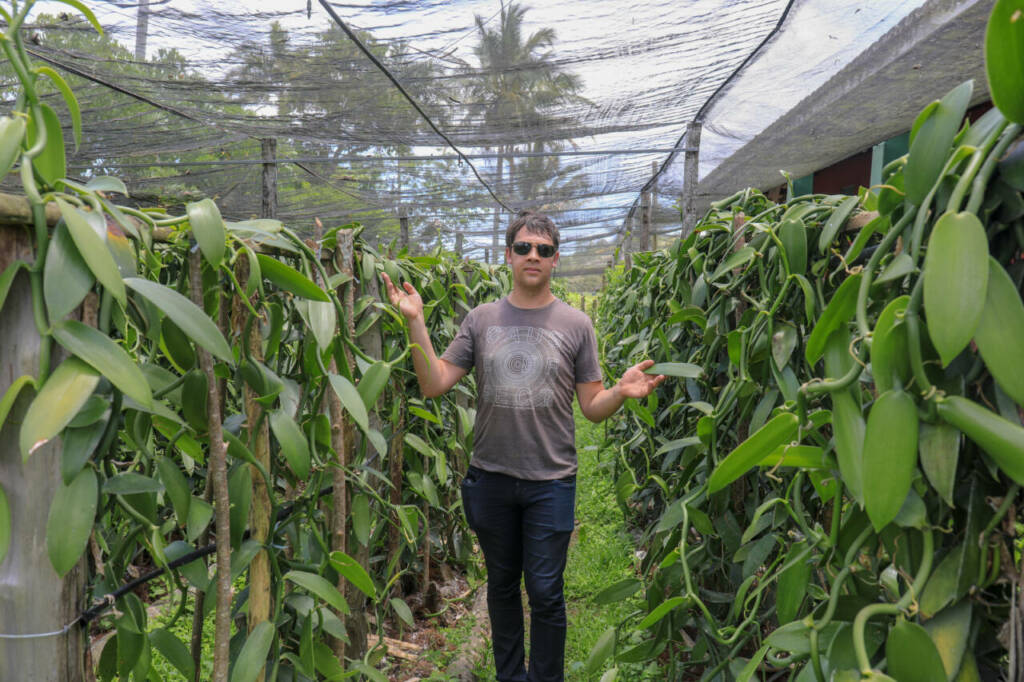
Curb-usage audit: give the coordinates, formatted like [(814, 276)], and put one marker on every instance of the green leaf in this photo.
[(208, 228), (738, 259), (293, 443), (375, 378), (320, 587), (1002, 439), (354, 573), (186, 314), (751, 666), (602, 649), (108, 358), (177, 488), (12, 133), (70, 522), (889, 350), (835, 222), (7, 278), (803, 456), (662, 610), (784, 339), (131, 483), (290, 279), (1004, 58), (956, 275), (747, 454), (108, 183), (793, 236), (838, 312), (51, 164), (910, 654), (950, 633), (11, 394), (240, 494), (200, 513), (351, 400), (5, 525), (624, 589), (321, 318), (402, 610), (172, 648), (890, 452), (253, 656), (676, 369), (900, 266), (61, 397), (69, 100), (929, 147), (1000, 330), (93, 250), (78, 445), (66, 277), (939, 448)]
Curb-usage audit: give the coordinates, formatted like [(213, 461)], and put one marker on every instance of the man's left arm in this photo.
[(598, 403)]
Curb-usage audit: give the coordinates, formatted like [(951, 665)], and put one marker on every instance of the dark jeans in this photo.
[(524, 529)]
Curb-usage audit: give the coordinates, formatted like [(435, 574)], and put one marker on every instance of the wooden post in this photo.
[(627, 245), (33, 598), (141, 31), (458, 245), (403, 223), (691, 161), (218, 478), (259, 512), (645, 221), (652, 209), (343, 441), (269, 193)]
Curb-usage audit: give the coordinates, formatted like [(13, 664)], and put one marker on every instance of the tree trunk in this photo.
[(33, 598)]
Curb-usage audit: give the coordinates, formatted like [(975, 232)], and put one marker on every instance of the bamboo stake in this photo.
[(219, 481)]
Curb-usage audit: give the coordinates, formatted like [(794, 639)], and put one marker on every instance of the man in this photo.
[(531, 352)]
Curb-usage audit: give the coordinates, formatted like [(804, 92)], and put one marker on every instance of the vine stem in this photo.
[(861, 621)]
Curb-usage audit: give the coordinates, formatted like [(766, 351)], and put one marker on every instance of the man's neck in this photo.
[(525, 298)]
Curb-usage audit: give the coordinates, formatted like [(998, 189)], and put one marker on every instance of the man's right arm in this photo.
[(435, 375)]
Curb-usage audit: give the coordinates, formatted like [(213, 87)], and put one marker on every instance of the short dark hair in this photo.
[(532, 222)]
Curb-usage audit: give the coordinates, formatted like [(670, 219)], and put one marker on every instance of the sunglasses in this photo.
[(543, 250)]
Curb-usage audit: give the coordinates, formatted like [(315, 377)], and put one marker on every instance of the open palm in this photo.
[(408, 301), (636, 384)]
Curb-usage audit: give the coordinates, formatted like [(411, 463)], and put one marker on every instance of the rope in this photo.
[(415, 105)]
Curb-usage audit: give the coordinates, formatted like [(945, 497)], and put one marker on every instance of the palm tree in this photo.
[(518, 87)]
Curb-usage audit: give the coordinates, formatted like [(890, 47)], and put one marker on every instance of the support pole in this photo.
[(403, 223), (691, 161), (142, 31), (645, 221), (269, 193), (627, 245), (652, 209), (458, 245), (33, 598)]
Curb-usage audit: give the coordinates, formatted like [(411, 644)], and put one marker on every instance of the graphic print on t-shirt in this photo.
[(522, 363)]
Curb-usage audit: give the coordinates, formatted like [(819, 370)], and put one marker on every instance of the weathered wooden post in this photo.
[(37, 607), (645, 221), (268, 208), (691, 161), (403, 223), (653, 207)]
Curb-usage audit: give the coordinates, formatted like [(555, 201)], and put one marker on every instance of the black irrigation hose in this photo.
[(108, 600), (415, 105)]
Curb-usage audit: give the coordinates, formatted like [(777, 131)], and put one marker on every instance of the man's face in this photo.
[(531, 270)]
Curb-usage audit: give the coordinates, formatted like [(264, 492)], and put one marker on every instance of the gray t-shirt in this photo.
[(528, 362)]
